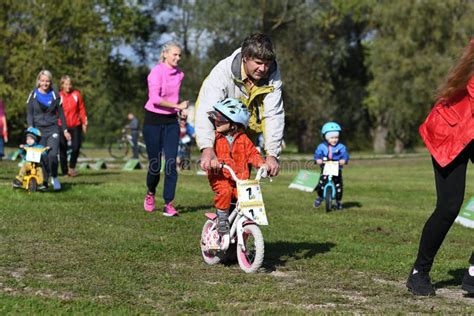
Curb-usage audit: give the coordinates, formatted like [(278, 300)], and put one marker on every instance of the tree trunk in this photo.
[(380, 138), (399, 146)]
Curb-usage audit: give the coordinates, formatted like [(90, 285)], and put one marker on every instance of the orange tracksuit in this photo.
[(238, 156)]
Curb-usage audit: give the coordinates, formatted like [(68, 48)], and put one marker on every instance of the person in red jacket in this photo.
[(448, 132), (233, 148), (76, 121)]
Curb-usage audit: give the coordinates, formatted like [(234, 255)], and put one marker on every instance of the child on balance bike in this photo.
[(32, 153)]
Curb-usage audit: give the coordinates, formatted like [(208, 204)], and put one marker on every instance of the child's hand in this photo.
[(319, 161), (342, 162), (22, 146)]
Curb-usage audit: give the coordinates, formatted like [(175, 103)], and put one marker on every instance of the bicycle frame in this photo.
[(330, 184), (237, 218)]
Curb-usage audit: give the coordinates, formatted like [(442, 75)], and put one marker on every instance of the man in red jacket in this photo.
[(76, 121), (448, 132)]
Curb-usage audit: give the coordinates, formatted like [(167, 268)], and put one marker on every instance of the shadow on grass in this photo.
[(456, 279), (191, 209), (280, 252), (351, 204), (96, 173), (70, 186)]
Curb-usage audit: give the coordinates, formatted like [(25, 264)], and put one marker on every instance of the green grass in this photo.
[(91, 249)]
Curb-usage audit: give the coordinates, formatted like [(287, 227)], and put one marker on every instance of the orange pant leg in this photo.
[(224, 190)]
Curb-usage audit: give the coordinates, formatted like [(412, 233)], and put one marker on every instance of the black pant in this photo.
[(450, 186), (135, 135), (50, 138), (76, 141), (337, 183)]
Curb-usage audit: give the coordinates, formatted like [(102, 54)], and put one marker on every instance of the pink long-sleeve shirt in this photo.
[(163, 84)]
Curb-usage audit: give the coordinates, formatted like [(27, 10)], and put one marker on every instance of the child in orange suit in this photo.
[(233, 148)]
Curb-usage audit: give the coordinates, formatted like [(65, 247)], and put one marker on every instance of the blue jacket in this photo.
[(338, 152)]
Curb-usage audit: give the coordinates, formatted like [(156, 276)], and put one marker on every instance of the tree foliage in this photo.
[(370, 65), (410, 54), (75, 38)]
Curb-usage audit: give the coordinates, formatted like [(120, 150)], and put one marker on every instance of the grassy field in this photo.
[(92, 249)]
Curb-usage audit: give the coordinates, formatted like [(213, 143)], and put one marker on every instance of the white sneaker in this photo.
[(56, 184)]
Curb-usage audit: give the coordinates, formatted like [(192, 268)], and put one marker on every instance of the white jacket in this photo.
[(224, 81)]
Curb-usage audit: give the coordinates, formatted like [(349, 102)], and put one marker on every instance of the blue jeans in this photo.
[(162, 138), (1, 147)]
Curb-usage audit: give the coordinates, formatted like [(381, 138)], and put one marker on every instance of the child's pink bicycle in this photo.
[(245, 238)]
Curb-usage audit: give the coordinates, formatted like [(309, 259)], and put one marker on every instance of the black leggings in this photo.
[(450, 186), (76, 140), (337, 183)]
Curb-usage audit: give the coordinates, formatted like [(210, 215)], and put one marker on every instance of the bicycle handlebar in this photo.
[(261, 173)]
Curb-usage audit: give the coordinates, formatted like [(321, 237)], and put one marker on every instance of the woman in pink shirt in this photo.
[(161, 128), (3, 129)]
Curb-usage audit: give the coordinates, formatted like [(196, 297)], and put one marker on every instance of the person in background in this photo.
[(76, 121), (448, 132), (3, 129), (134, 127), (161, 128), (330, 150), (186, 137), (33, 136), (44, 110)]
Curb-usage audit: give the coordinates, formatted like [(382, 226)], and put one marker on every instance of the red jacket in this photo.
[(449, 128), (242, 153), (74, 109)]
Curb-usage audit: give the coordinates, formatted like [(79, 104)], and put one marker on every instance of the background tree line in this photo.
[(371, 65)]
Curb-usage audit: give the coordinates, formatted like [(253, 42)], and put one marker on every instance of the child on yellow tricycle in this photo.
[(30, 176)]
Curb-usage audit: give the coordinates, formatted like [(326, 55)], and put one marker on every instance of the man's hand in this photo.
[(208, 159), (273, 165), (319, 161), (342, 162), (84, 128)]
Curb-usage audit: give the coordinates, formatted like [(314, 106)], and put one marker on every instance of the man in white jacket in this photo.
[(250, 74)]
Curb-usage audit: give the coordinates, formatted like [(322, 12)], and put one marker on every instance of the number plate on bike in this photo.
[(251, 201), (331, 168), (33, 154)]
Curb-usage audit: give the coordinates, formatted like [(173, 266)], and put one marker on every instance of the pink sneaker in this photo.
[(149, 203), (169, 210)]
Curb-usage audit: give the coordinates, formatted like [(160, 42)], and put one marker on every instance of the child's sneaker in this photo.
[(169, 210), (149, 203), (317, 202), (16, 184), (42, 187), (338, 205), (56, 184), (223, 226)]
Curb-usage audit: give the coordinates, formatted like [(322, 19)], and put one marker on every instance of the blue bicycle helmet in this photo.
[(234, 110), (330, 127), (33, 131)]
